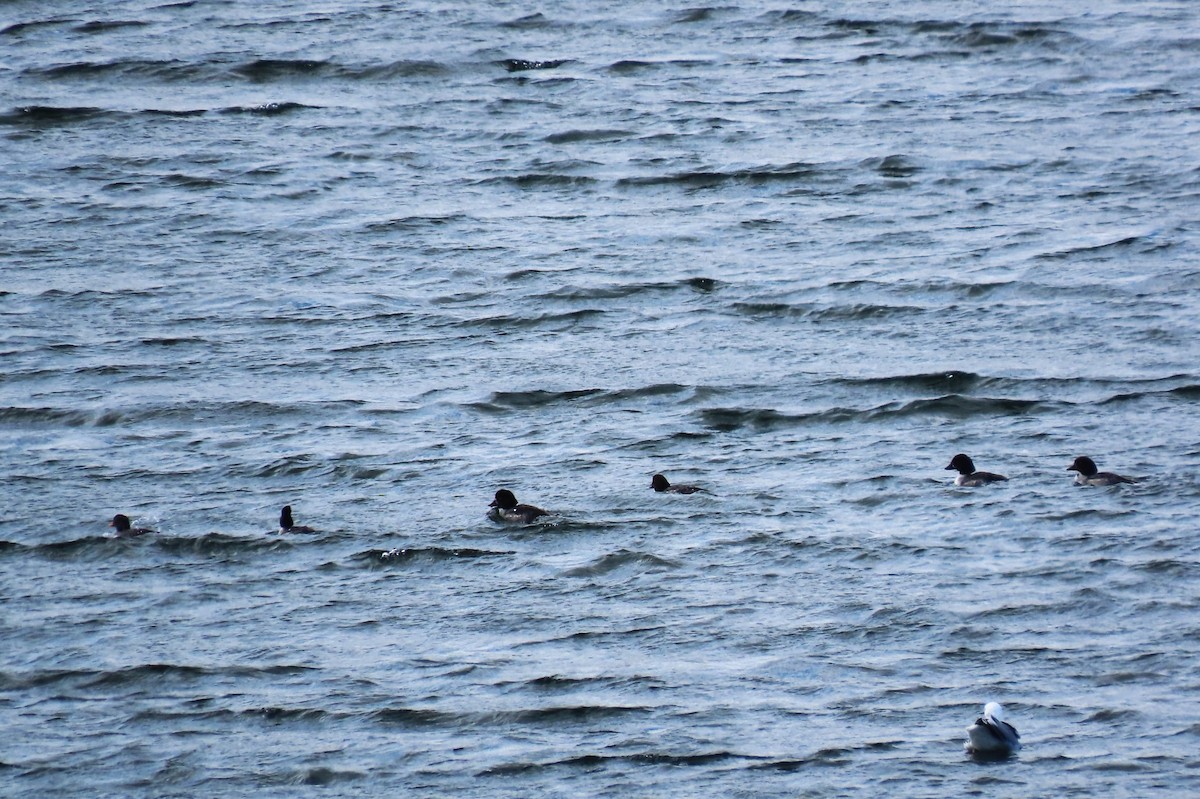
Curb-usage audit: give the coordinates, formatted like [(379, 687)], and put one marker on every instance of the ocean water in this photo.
[(378, 260)]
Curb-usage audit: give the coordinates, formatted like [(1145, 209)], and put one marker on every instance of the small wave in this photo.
[(851, 312), (974, 34), (281, 714), (958, 406), (222, 544), (863, 311), (595, 134), (44, 416), (1087, 514), (1113, 714), (634, 65), (992, 35), (326, 776), (20, 27), (400, 69), (729, 419), (506, 401), (564, 319), (619, 560), (956, 382), (410, 717), (792, 15), (175, 112), (935, 286), (1187, 392), (1167, 567), (796, 172), (833, 756), (546, 716), (122, 69), (244, 409), (628, 66), (592, 761), (502, 401), (44, 116), (949, 382), (534, 180), (267, 109), (148, 672), (261, 71), (892, 166), (175, 341), (953, 406), (1090, 249), (88, 548), (287, 466), (192, 181), (654, 390), (981, 37), (611, 292), (409, 223), (1127, 677), (529, 22), (522, 65), (274, 715), (103, 26), (692, 15), (264, 70), (59, 417), (388, 557), (556, 683)]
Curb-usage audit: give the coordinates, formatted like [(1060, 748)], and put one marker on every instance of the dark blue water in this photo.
[(377, 261)]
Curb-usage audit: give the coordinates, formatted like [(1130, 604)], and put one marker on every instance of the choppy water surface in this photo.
[(376, 261)]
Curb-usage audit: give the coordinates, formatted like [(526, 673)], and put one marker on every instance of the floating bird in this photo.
[(121, 523), (504, 508), (660, 484), (286, 525), (1089, 475), (991, 735), (967, 476)]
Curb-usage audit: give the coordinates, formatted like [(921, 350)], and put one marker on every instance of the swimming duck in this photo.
[(991, 735), (1089, 475), (286, 525), (660, 484), (967, 476), (124, 530), (504, 508)]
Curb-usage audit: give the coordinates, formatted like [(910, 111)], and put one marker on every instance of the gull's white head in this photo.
[(994, 711)]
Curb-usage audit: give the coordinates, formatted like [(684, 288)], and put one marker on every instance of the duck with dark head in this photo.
[(124, 529), (505, 508), (288, 525)]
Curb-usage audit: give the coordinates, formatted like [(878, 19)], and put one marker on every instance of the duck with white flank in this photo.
[(991, 734), (967, 476), (504, 508), (660, 484), (1089, 475)]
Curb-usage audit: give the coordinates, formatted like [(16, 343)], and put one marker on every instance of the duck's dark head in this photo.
[(1084, 465), (659, 483), (961, 464), (505, 500), (121, 522)]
